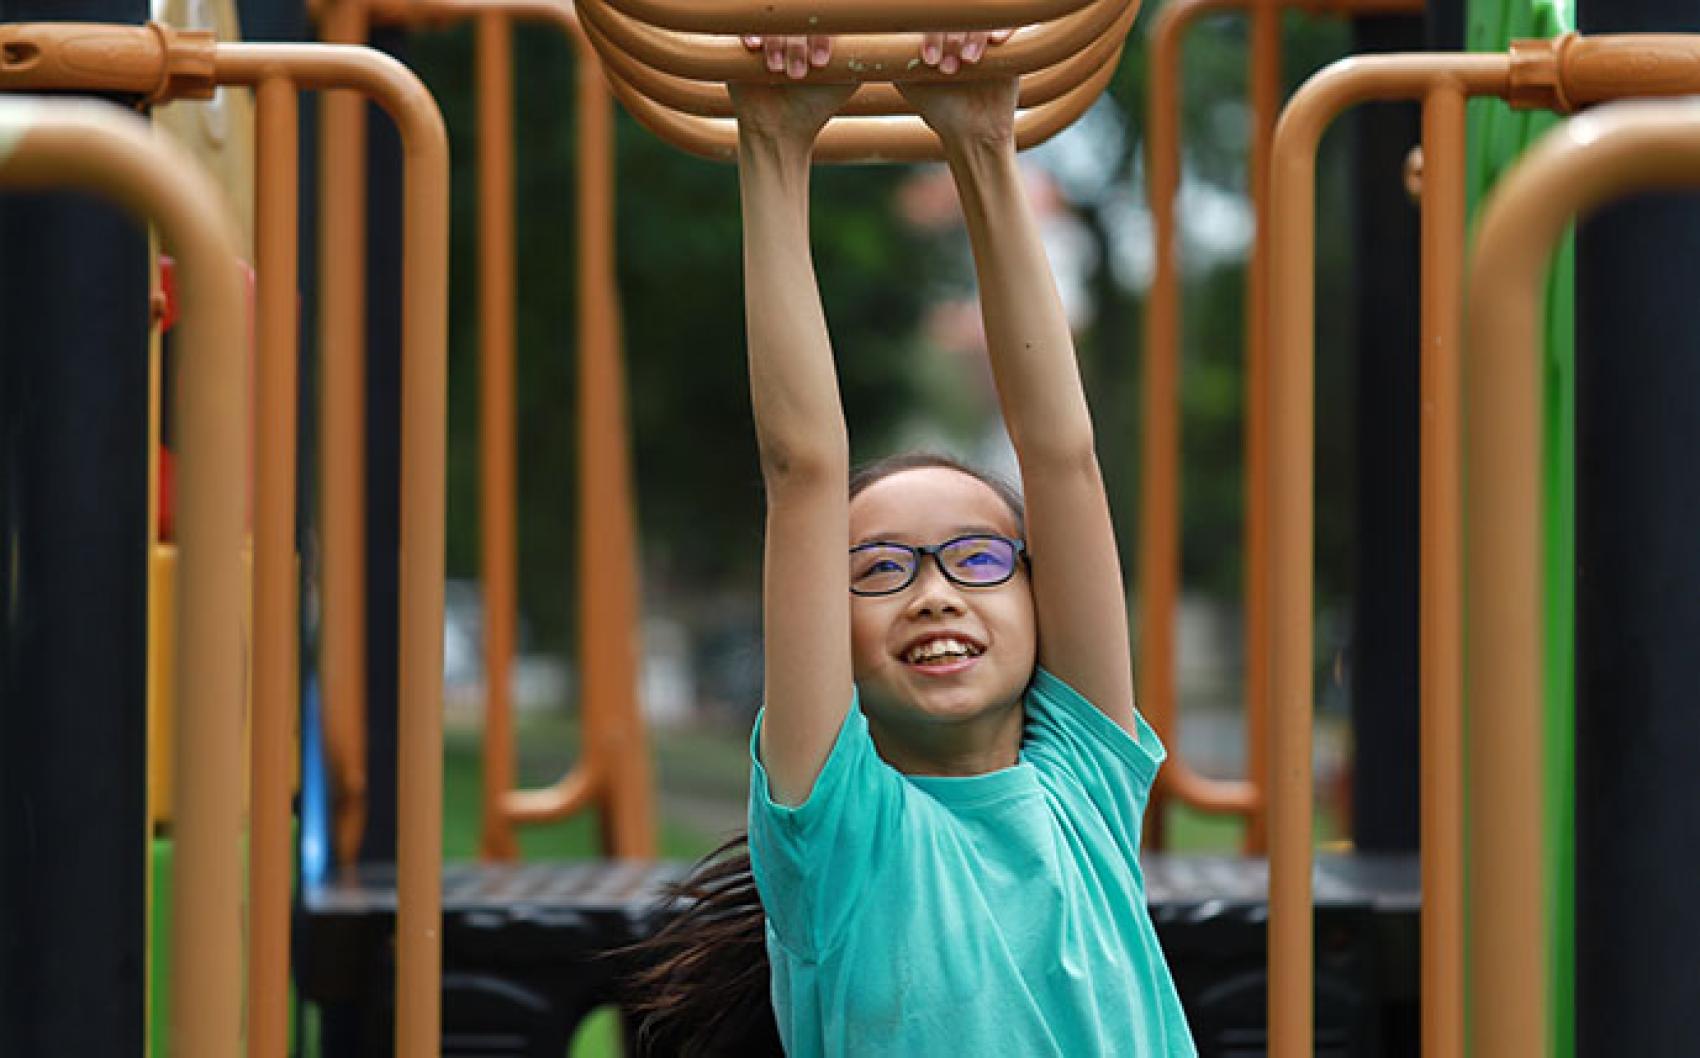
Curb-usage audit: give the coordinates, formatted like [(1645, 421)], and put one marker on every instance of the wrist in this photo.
[(980, 155), (765, 146)]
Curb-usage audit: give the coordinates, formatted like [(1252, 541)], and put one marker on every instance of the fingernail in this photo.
[(752, 42), (798, 68), (972, 50), (948, 64), (821, 56), (930, 54), (775, 61)]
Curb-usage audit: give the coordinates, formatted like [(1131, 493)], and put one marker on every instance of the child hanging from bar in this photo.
[(949, 772)]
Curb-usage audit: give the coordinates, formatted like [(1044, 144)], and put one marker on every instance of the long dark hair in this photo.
[(702, 989)]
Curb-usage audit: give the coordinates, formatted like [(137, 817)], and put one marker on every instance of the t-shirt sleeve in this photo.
[(812, 862), (1081, 753)]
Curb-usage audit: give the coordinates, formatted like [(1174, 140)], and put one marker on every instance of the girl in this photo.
[(949, 772)]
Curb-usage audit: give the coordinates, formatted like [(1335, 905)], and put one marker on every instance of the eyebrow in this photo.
[(952, 534)]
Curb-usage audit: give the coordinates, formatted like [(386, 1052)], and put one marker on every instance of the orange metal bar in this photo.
[(425, 167), (841, 16), (98, 148), (497, 422), (1159, 509), (1441, 564), (271, 726), (613, 773), (342, 435), (1290, 424), (857, 139), (872, 57), (1557, 73)]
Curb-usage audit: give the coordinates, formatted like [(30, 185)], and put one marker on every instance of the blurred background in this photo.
[(898, 287)]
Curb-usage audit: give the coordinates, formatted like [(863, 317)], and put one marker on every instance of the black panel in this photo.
[(73, 612), (1384, 655), (1638, 610)]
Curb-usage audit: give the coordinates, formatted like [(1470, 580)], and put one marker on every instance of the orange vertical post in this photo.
[(272, 724), (608, 589), (97, 148), (342, 434), (1441, 603), (497, 418), (1265, 109)]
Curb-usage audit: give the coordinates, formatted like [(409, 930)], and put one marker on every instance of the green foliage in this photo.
[(680, 282)]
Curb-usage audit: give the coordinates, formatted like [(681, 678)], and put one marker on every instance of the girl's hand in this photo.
[(967, 112), (952, 51), (791, 115), (795, 56)]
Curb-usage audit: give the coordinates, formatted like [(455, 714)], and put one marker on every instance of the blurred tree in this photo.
[(699, 492)]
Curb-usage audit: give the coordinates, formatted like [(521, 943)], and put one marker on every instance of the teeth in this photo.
[(942, 647)]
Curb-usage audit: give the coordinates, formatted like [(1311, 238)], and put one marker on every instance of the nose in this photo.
[(933, 594)]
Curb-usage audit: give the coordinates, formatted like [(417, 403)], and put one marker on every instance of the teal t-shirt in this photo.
[(997, 914)]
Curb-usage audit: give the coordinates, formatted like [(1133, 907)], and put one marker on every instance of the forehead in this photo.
[(925, 505)]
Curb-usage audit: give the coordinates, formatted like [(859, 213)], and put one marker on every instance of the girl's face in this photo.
[(907, 669)]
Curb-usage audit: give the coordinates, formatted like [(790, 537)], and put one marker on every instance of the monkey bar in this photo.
[(1159, 508), (1618, 150), (162, 63), (98, 148), (669, 71), (1567, 72)]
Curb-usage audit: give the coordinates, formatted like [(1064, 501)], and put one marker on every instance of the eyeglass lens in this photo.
[(967, 560)]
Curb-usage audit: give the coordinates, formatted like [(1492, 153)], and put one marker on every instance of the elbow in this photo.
[(785, 467)]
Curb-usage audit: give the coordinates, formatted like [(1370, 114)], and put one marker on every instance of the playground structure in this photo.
[(661, 76)]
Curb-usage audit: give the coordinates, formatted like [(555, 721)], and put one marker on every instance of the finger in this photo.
[(998, 36), (932, 48), (952, 60), (752, 42), (796, 58), (974, 47), (820, 50), (774, 49)]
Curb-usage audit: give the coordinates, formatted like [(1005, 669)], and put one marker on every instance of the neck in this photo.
[(971, 747)]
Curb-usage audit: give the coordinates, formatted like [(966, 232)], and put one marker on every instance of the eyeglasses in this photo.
[(977, 560)]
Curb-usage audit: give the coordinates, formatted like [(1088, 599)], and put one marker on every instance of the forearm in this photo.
[(1027, 333), (793, 384)]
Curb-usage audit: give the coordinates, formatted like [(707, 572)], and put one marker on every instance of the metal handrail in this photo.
[(1557, 74), (1621, 149), (1159, 508), (98, 148)]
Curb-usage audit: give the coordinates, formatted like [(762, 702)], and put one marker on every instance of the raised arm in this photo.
[(1077, 584), (801, 435)]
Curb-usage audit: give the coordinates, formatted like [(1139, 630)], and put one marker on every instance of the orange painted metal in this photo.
[(613, 774), (1618, 150), (841, 16), (1560, 72), (98, 148), (652, 69), (424, 339), (858, 139), (497, 418), (272, 740), (1291, 439), (342, 437), (1159, 508)]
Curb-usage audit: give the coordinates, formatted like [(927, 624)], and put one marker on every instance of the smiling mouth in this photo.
[(942, 651)]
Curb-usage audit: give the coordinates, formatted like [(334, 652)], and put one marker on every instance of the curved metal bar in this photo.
[(99, 148), (425, 162), (872, 99), (1159, 508), (1618, 150), (885, 57), (613, 773), (841, 16), (1291, 487), (890, 139)]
